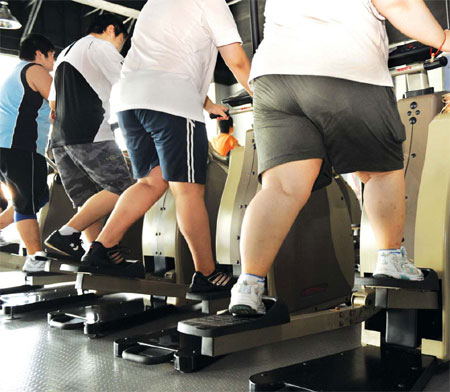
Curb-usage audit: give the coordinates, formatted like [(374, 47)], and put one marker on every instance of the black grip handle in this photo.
[(438, 63), (212, 116)]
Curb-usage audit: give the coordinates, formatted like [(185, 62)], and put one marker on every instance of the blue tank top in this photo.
[(24, 113)]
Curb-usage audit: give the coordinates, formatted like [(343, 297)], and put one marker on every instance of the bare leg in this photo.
[(93, 230), (384, 202), (97, 207), (133, 204), (7, 217), (193, 221), (29, 232), (270, 215)]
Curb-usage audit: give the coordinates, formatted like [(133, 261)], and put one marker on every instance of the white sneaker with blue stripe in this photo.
[(394, 263), (246, 299)]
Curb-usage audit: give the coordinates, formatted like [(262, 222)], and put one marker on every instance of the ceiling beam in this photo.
[(35, 7), (110, 7)]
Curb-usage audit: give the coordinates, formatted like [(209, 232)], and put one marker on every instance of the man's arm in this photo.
[(414, 19), (39, 80), (214, 108), (238, 63)]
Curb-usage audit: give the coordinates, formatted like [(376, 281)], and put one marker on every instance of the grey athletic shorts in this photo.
[(89, 168), (352, 126)]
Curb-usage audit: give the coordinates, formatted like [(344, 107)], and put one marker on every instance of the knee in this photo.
[(157, 185), (286, 188), (188, 191)]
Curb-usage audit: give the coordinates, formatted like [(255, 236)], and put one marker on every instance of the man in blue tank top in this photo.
[(24, 130)]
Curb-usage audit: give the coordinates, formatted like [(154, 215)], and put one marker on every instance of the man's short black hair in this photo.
[(33, 42), (101, 22), (225, 125)]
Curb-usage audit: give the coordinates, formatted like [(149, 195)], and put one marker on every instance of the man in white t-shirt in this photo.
[(91, 166), (323, 96), (163, 87)]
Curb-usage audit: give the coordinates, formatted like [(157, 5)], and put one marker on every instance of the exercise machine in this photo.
[(408, 338), (168, 269)]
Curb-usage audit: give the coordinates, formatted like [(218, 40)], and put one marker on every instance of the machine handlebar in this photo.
[(417, 68), (438, 63), (212, 116)]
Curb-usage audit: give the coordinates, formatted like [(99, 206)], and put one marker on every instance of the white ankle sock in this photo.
[(67, 230), (251, 279), (389, 251)]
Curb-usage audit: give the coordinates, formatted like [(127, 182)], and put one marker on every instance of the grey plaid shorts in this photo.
[(86, 169)]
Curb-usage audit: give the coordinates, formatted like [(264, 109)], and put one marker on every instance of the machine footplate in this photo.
[(110, 312), (363, 369), (46, 298), (131, 270), (430, 282), (10, 248), (226, 324), (208, 296), (19, 289)]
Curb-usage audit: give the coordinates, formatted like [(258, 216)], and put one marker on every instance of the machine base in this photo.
[(369, 368)]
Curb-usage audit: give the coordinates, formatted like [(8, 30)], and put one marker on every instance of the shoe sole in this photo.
[(206, 290), (32, 270), (243, 310), (58, 250), (399, 277)]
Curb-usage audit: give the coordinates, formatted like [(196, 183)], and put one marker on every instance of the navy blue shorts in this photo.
[(25, 174), (177, 144)]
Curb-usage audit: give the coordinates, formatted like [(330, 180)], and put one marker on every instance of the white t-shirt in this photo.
[(84, 75), (344, 39), (173, 55)]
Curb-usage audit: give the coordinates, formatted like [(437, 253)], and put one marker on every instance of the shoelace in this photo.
[(78, 243), (219, 279), (116, 255), (405, 265)]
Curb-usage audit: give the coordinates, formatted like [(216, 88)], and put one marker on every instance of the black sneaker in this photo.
[(217, 281), (68, 245), (110, 261)]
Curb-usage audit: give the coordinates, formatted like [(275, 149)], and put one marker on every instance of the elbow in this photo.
[(238, 63), (386, 7)]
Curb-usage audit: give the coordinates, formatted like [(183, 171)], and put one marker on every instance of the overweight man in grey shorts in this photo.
[(92, 168), (323, 95)]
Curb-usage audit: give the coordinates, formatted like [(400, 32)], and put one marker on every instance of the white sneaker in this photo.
[(34, 263), (246, 299), (396, 265)]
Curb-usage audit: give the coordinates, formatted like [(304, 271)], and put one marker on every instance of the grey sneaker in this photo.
[(396, 265), (34, 264)]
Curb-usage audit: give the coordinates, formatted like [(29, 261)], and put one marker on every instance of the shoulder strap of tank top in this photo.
[(23, 77)]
